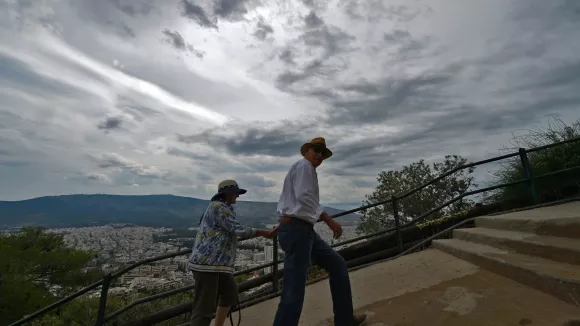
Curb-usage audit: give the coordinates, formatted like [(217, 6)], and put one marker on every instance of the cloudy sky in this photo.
[(146, 96)]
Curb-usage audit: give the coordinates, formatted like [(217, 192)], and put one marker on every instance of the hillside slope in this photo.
[(150, 210)]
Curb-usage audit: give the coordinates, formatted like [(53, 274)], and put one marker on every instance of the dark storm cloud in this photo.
[(317, 36), (287, 57), (468, 123), (126, 31), (176, 39), (178, 42), (282, 142), (230, 9), (98, 177), (526, 99), (197, 14), (567, 73), (374, 10), (545, 15), (335, 42), (363, 157), (370, 159), (312, 20), (397, 35), (308, 3), (391, 98), (331, 39), (410, 99), (263, 30), (314, 67), (110, 123), (404, 46), (208, 16), (134, 7), (113, 160), (402, 13)]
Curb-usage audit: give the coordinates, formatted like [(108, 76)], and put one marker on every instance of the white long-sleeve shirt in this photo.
[(300, 197)]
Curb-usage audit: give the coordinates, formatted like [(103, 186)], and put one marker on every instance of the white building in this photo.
[(269, 256), (259, 257), (157, 269)]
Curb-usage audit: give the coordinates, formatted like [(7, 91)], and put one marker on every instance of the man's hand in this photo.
[(333, 225)]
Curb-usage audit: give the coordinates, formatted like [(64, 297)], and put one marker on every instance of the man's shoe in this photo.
[(359, 320)]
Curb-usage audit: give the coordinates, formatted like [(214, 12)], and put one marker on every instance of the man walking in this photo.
[(299, 209)]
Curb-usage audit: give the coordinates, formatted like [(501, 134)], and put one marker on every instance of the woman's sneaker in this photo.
[(359, 320)]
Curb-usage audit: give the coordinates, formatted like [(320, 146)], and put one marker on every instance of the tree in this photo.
[(83, 310), (411, 176), (36, 268), (541, 162)]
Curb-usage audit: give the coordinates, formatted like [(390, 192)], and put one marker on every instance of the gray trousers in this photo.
[(212, 289)]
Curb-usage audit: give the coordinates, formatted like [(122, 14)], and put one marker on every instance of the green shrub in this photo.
[(541, 162), (83, 311)]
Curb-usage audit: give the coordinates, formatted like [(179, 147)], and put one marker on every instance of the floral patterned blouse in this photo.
[(216, 241)]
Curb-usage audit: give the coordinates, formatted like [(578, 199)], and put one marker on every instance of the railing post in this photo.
[(397, 223), (103, 300), (275, 266), (529, 175)]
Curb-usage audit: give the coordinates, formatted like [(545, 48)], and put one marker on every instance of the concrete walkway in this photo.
[(370, 285), (429, 288), (435, 288), (479, 299)]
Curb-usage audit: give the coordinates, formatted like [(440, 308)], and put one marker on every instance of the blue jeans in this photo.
[(301, 244)]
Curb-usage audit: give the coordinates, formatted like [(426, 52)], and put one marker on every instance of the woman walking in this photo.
[(214, 254)]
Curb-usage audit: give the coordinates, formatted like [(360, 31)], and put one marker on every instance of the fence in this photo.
[(274, 276)]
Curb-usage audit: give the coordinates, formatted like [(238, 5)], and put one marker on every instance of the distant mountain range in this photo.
[(150, 210)]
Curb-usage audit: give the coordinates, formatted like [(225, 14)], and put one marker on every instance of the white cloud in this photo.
[(99, 177), (95, 99)]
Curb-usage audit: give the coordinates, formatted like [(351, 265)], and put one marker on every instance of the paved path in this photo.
[(479, 299), (428, 288), (555, 212), (372, 284)]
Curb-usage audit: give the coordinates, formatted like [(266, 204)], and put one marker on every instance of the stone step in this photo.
[(558, 220), (565, 250), (558, 279)]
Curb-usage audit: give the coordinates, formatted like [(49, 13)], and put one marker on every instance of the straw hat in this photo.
[(316, 142), (228, 187)]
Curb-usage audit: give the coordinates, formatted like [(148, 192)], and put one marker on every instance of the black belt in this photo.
[(294, 220)]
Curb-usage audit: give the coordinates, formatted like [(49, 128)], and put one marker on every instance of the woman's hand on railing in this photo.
[(268, 234)]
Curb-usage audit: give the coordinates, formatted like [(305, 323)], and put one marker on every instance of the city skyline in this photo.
[(118, 246)]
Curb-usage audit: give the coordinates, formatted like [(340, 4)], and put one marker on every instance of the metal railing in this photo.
[(274, 276)]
